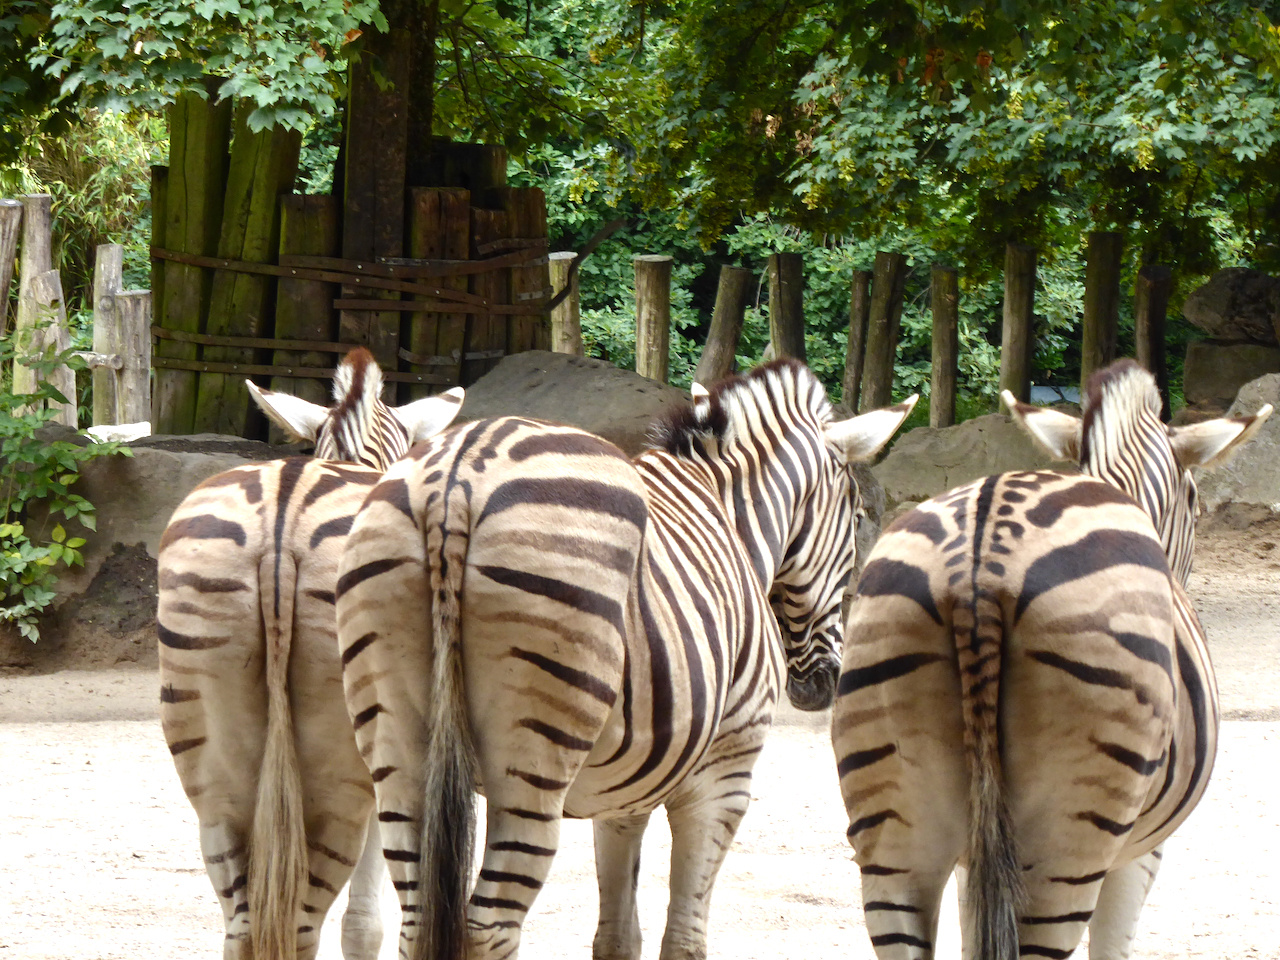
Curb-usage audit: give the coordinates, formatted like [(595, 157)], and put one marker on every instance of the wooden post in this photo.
[(304, 308), (37, 260), (566, 321), (187, 219), (1101, 303), (10, 225), (855, 349), (944, 295), (262, 168), (1017, 339), (883, 319), (653, 315), (527, 210), (132, 313), (108, 268), (487, 343), (439, 229), (1150, 305), (721, 347), (45, 331), (786, 305)]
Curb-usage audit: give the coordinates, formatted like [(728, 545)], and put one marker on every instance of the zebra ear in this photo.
[(299, 418), (1212, 443), (698, 391), (1058, 434), (860, 438), (425, 418)]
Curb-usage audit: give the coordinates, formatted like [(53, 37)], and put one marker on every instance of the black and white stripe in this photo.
[(587, 635), (1026, 691), (251, 698)]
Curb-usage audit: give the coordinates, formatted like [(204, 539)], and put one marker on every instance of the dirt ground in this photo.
[(101, 862)]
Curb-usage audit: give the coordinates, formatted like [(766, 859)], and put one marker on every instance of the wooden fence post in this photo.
[(42, 305), (439, 229), (786, 305), (855, 349), (132, 312), (653, 315), (1017, 339), (721, 347), (1101, 303), (566, 322), (889, 275), (37, 260), (10, 225), (944, 292), (1150, 305), (304, 308), (108, 266)]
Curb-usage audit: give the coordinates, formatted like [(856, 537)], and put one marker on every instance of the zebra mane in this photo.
[(786, 385), (1124, 391), (357, 377)]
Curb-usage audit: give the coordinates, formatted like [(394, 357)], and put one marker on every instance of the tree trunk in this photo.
[(1101, 304), (786, 305), (855, 348), (1150, 305), (944, 293), (890, 275), (1017, 340), (566, 319), (653, 315), (721, 347)]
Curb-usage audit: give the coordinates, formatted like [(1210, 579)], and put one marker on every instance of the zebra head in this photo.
[(785, 472), (1121, 440), (359, 427)]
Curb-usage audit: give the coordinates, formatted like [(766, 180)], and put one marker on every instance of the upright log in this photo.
[(721, 347), (189, 221), (1101, 303), (786, 304), (159, 200), (373, 221), (439, 229), (889, 276), (1017, 339), (108, 272), (304, 308), (531, 282), (132, 313), (944, 297), (37, 260), (855, 348), (46, 333), (262, 169), (653, 315), (10, 225), (1150, 306), (487, 343), (566, 320)]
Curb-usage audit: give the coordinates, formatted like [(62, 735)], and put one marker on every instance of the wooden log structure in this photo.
[(304, 307), (488, 339), (10, 229), (1017, 338), (786, 305), (531, 281), (566, 319), (45, 331), (1150, 307), (855, 347), (730, 309), (888, 278), (108, 281), (187, 218), (944, 299), (1101, 303), (653, 315), (439, 229)]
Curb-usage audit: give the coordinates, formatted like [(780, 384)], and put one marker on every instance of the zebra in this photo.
[(523, 609), (250, 695), (1026, 689)]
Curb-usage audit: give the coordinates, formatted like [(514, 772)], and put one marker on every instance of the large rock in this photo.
[(931, 460), (1249, 481), (619, 405), (1237, 304), (1215, 372)]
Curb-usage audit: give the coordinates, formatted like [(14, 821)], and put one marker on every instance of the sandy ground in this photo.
[(100, 856)]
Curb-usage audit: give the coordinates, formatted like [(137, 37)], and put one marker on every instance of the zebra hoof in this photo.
[(817, 691)]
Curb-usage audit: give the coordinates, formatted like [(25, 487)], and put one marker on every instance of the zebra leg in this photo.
[(618, 873), (1115, 920), (226, 860), (362, 923)]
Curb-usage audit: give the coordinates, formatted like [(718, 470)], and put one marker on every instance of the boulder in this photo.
[(931, 460), (619, 405), (1215, 372), (1237, 304), (1249, 481)]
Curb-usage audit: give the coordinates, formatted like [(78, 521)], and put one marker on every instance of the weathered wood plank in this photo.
[(488, 331), (132, 312), (108, 272), (45, 332), (10, 229), (36, 260), (566, 319), (439, 229), (304, 307)]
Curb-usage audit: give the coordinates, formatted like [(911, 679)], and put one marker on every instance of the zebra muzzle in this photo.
[(816, 690)]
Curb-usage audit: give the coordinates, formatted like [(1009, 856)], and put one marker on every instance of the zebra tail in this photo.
[(995, 891), (278, 867), (449, 810)]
